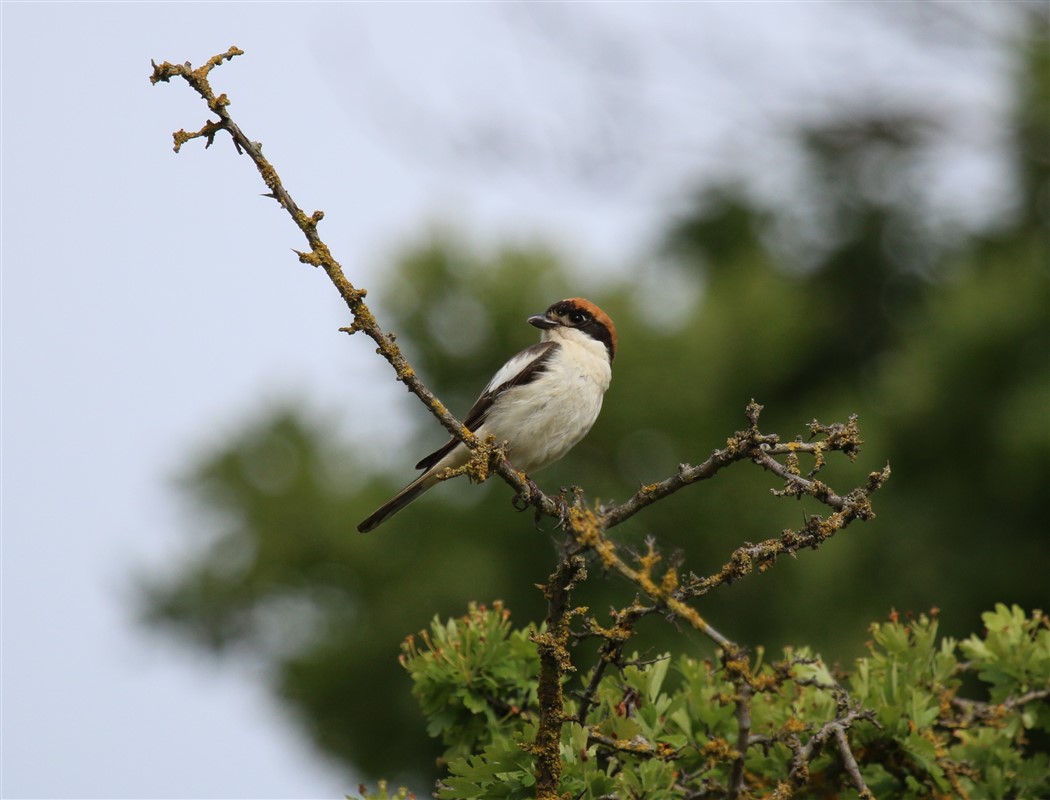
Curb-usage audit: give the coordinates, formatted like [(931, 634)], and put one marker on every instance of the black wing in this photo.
[(522, 369)]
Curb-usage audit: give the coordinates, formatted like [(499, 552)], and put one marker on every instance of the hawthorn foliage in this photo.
[(907, 713)]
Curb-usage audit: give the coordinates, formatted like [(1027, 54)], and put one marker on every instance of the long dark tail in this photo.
[(397, 502)]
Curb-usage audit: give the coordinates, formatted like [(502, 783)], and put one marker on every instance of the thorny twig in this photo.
[(588, 526), (320, 256)]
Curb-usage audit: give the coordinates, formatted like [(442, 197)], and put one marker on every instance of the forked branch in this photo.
[(588, 527)]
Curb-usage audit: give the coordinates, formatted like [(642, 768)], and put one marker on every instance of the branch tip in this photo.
[(753, 411)]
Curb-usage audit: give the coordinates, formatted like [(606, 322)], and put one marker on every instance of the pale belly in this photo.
[(541, 432)]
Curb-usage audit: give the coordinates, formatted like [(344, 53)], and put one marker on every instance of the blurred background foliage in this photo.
[(848, 297)]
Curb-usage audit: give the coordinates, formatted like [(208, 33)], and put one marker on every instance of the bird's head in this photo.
[(574, 317)]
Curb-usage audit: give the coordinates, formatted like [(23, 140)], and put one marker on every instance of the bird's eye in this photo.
[(577, 317)]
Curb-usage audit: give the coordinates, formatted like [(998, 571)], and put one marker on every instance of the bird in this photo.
[(542, 402)]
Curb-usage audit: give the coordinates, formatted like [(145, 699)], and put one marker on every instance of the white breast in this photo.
[(544, 419)]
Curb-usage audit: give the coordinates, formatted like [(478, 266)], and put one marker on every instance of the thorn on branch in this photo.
[(162, 73), (310, 258)]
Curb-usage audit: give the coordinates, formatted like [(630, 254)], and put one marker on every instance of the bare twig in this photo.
[(611, 651), (586, 528), (763, 555), (638, 746), (850, 764), (803, 754), (982, 710), (739, 447), (760, 448)]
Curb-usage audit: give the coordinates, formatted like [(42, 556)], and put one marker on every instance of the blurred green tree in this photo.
[(941, 349)]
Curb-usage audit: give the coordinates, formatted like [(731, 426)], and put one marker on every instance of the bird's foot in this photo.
[(523, 500), (563, 509)]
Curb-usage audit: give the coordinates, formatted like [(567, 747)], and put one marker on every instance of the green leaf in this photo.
[(656, 674)]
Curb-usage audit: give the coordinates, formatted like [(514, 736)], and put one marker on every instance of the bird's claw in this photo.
[(564, 510), (523, 500)]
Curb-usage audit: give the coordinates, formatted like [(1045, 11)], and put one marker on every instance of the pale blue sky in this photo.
[(150, 301)]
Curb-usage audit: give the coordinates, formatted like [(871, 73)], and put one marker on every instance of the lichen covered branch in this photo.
[(319, 255), (554, 665), (588, 527)]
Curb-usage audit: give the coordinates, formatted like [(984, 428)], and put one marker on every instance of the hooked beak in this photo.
[(542, 322)]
